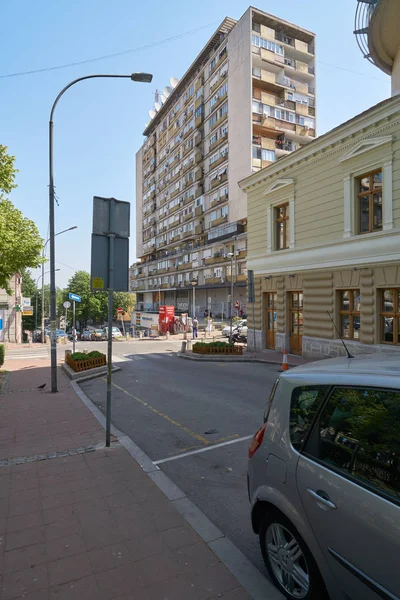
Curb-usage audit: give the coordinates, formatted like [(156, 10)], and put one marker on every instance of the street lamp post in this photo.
[(141, 77), (193, 283), (231, 255), (36, 301), (43, 256)]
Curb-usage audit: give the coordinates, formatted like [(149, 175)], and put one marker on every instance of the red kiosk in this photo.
[(166, 319)]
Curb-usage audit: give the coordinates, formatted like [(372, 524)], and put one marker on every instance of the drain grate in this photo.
[(21, 460)]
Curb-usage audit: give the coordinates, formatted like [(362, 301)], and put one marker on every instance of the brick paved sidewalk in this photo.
[(87, 524)]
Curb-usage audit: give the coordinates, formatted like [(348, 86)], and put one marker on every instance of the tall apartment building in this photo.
[(246, 100)]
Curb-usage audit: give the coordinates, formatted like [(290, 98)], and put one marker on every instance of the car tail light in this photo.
[(257, 440)]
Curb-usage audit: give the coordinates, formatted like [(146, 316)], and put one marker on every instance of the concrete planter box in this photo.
[(238, 350), (84, 365)]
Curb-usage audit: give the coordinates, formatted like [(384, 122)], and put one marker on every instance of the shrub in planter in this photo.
[(79, 361), (216, 348), (2, 354)]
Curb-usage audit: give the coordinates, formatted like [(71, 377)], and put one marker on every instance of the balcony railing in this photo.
[(364, 12)]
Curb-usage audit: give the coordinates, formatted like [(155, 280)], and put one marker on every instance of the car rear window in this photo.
[(304, 405)]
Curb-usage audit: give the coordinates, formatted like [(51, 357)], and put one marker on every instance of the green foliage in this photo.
[(20, 242), (82, 356), (7, 171), (2, 354), (213, 345)]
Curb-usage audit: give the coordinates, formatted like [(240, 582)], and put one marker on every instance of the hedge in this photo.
[(2, 354)]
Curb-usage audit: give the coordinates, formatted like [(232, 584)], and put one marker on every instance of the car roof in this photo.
[(367, 367)]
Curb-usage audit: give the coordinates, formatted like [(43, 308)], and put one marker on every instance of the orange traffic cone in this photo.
[(285, 364)]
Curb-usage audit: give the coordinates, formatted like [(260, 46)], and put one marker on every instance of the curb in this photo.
[(86, 375), (222, 358), (251, 579)]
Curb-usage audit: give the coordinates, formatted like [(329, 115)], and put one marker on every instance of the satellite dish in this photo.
[(167, 91), (152, 114), (162, 98), (174, 81), (157, 106)]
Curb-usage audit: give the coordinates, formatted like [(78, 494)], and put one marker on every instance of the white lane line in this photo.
[(116, 359), (164, 460)]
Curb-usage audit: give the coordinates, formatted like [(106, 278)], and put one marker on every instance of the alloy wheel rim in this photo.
[(287, 561)]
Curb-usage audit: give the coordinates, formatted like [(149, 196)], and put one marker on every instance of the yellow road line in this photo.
[(193, 434)]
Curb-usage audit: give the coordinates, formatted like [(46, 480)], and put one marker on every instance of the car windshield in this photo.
[(115, 330)]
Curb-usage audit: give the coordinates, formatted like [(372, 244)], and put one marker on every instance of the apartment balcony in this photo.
[(219, 121), (219, 221), (198, 121), (173, 210), (188, 132), (289, 104), (197, 138), (187, 234), (215, 202), (213, 280), (198, 174), (219, 62), (150, 209), (218, 142), (199, 83), (241, 254), (198, 211), (164, 286), (219, 161), (188, 217), (186, 150), (239, 278), (311, 111), (305, 131), (187, 166), (212, 260), (199, 229), (198, 157), (174, 193), (185, 266), (175, 177), (198, 102), (265, 126), (149, 250), (218, 180), (161, 271), (283, 147), (187, 200), (305, 48), (198, 190)]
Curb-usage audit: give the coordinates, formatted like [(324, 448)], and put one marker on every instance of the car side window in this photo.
[(304, 405), (359, 435)]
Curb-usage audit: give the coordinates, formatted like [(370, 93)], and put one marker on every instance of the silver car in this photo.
[(324, 480)]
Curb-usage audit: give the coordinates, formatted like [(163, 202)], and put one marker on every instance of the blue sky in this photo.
[(99, 124)]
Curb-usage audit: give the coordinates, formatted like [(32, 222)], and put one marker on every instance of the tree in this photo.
[(20, 242), (7, 171)]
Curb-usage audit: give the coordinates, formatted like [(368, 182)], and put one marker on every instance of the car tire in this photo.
[(296, 579)]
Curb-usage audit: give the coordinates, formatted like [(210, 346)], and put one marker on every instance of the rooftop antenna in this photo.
[(340, 337)]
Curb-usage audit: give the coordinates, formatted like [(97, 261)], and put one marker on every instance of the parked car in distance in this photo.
[(60, 333), (115, 332), (242, 325), (86, 335), (324, 480)]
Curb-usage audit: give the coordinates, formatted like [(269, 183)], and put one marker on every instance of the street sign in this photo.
[(120, 310), (74, 297), (250, 286), (28, 313), (237, 304), (26, 301), (100, 263), (67, 304), (26, 309), (120, 217)]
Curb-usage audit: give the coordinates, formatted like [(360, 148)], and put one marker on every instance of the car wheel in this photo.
[(288, 560)]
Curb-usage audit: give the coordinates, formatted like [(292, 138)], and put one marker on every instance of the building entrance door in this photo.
[(270, 320), (296, 322)]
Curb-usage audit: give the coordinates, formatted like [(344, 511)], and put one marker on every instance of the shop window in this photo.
[(390, 316), (369, 202), (349, 314)]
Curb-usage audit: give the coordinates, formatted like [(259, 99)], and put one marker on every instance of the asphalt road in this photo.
[(170, 407)]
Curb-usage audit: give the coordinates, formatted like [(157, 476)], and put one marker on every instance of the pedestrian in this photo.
[(195, 325)]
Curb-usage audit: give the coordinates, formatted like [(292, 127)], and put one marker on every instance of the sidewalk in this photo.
[(81, 522)]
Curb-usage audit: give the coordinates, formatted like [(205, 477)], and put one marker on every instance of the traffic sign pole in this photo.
[(73, 327)]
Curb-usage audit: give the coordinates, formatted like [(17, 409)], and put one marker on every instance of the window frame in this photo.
[(359, 194), (351, 313), (313, 437), (277, 221), (395, 314)]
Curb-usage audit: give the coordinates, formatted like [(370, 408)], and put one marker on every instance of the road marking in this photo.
[(176, 457), (193, 434), (116, 359)]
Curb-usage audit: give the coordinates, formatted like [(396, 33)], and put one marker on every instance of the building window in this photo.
[(281, 226), (349, 314), (369, 202), (390, 316)]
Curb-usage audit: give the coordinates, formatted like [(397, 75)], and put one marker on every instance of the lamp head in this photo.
[(142, 77)]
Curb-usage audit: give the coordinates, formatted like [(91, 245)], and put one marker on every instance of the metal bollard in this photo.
[(167, 335), (183, 348)]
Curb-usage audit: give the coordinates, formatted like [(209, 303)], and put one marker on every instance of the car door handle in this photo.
[(322, 499)]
